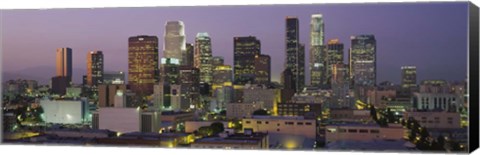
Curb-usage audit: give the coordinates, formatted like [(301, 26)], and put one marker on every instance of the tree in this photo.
[(373, 113), (390, 116), (217, 127), (260, 112), (205, 131)]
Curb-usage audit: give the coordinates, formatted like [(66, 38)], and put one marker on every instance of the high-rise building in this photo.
[(222, 75), (334, 55), (222, 86), (301, 67), (203, 57), (64, 63), (363, 62), (60, 84), (293, 52), (142, 64), (217, 61), (190, 82), (188, 58), (317, 49), (340, 86), (169, 72), (174, 45), (94, 68), (409, 76), (245, 50), (363, 65), (288, 82), (262, 69)]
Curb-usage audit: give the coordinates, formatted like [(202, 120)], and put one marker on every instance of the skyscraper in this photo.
[(174, 45), (188, 58), (94, 68), (142, 64), (317, 49), (334, 55), (363, 65), (245, 50), (340, 85), (169, 70), (262, 69), (409, 77), (64, 63), (203, 57), (363, 62), (293, 53)]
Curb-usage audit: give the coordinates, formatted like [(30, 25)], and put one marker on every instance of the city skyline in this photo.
[(394, 45)]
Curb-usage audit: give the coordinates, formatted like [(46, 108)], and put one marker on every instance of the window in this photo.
[(374, 131), (308, 123), (363, 131), (266, 122), (288, 123), (299, 123), (352, 130), (259, 122), (342, 130), (248, 122)]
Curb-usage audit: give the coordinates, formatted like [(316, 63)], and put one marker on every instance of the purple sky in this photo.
[(432, 36)]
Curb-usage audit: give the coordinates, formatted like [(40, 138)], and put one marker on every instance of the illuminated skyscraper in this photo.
[(142, 64), (340, 85), (363, 62), (169, 70), (334, 55), (94, 68), (293, 52), (174, 45), (188, 58), (262, 69), (317, 49), (222, 76), (203, 57), (245, 50), (363, 65), (409, 76), (64, 63)]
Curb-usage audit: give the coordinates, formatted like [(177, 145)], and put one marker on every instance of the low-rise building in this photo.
[(363, 132), (435, 119), (65, 111), (282, 125), (125, 120), (307, 110), (191, 126), (246, 140), (350, 115)]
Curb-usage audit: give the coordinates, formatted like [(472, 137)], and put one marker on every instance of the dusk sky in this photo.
[(431, 36)]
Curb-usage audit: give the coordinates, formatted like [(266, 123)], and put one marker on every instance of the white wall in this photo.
[(63, 112), (119, 119)]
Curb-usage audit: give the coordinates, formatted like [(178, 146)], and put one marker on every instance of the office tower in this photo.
[(262, 69), (108, 92), (174, 45), (190, 81), (203, 57), (114, 77), (169, 70), (222, 86), (222, 75), (217, 61), (288, 82), (245, 50), (64, 63), (188, 58), (60, 84), (142, 64), (363, 65), (334, 55), (293, 52), (94, 68), (301, 67), (409, 77), (317, 49), (340, 86)]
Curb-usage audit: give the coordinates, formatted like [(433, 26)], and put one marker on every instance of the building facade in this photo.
[(174, 45), (143, 64), (95, 68), (203, 57), (245, 50), (64, 63), (293, 52)]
